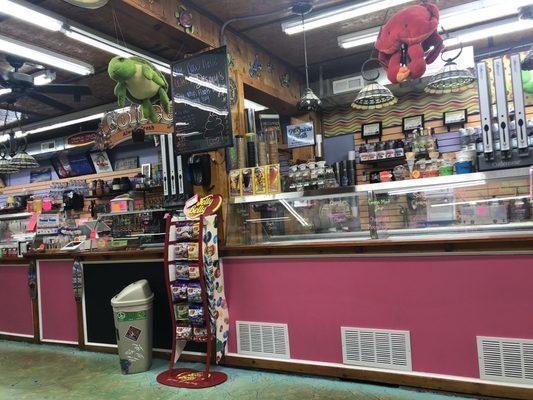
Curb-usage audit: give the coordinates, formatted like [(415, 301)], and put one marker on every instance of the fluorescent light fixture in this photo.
[(43, 78), (108, 46), (253, 105), (450, 19), (28, 14), (43, 56), (4, 91), (357, 39), (84, 38), (489, 30), (437, 187), (339, 14), (66, 123)]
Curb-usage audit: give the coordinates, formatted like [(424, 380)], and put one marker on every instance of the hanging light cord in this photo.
[(222, 37), (305, 54)]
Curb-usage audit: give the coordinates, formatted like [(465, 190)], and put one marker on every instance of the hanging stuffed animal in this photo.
[(140, 82), (527, 81), (406, 38)]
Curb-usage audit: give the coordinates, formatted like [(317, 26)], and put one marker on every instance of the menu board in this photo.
[(201, 104)]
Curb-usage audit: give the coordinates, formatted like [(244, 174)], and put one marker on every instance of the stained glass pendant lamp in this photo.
[(309, 100), (450, 78), (374, 95)]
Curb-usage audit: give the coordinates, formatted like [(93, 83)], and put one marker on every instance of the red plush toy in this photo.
[(405, 39)]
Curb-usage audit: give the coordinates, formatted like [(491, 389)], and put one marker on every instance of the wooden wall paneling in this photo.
[(243, 53)]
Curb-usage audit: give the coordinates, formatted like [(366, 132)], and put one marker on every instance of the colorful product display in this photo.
[(251, 181)]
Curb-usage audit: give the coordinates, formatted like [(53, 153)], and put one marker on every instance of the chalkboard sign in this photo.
[(201, 104)]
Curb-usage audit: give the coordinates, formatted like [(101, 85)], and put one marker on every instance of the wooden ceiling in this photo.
[(140, 30), (323, 49), (136, 29)]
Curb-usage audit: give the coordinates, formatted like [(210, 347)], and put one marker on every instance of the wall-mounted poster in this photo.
[(201, 104), (41, 175), (126, 163), (101, 162), (300, 135)]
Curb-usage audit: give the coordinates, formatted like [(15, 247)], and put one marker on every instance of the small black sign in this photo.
[(409, 124), (456, 117), (371, 130)]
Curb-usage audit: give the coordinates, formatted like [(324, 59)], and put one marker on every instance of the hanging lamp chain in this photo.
[(305, 54)]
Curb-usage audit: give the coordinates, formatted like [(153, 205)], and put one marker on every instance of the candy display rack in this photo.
[(190, 315)]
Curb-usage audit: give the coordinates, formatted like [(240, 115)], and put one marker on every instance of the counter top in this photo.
[(103, 255), (488, 243)]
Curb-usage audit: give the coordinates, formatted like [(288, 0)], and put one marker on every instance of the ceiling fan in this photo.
[(17, 85)]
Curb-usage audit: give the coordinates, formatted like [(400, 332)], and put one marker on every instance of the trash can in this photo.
[(133, 312)]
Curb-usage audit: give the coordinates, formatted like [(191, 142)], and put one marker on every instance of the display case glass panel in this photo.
[(472, 205), (330, 214)]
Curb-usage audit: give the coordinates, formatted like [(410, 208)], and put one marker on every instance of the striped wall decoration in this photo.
[(346, 120)]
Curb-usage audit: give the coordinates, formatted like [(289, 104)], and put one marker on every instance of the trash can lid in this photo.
[(135, 294)]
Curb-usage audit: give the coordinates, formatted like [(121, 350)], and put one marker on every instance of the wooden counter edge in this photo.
[(382, 246), (492, 389), (94, 255)]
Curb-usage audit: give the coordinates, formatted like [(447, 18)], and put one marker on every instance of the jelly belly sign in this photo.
[(206, 205)]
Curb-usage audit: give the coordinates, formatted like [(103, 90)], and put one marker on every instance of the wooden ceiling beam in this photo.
[(242, 50)]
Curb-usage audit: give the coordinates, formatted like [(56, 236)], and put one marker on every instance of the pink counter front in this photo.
[(58, 312), (16, 315), (443, 301)]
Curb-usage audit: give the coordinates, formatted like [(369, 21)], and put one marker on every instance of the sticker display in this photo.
[(196, 315), (183, 332), (181, 250), (179, 291), (187, 231), (192, 251), (194, 293), (182, 311), (133, 333), (194, 271), (200, 333), (260, 180), (182, 271)]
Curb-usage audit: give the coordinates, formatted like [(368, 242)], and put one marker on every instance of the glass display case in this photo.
[(469, 205), (326, 214), (14, 235), (136, 229)]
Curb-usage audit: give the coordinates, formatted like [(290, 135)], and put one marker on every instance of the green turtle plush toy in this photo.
[(527, 80), (140, 82)]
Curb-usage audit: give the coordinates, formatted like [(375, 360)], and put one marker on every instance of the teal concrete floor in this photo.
[(44, 372)]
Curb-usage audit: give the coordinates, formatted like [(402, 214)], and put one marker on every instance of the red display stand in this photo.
[(183, 377)]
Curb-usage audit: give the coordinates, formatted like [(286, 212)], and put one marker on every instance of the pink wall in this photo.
[(15, 303), (443, 301), (59, 318)]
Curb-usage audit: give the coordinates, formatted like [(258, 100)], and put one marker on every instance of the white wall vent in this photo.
[(376, 348), (350, 84), (263, 339), (504, 359)]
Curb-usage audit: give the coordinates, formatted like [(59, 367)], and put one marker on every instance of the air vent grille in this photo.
[(350, 84), (378, 348), (504, 359), (263, 339)]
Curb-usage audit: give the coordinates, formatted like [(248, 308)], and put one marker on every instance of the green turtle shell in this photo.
[(142, 61)]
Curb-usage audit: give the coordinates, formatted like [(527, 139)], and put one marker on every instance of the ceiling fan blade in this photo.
[(49, 101), (63, 89)]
